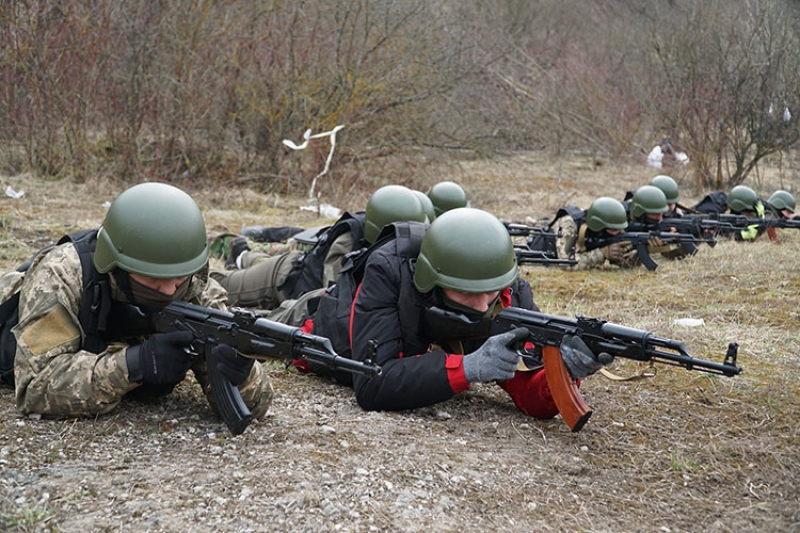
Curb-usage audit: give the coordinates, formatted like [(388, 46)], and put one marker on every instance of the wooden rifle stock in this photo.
[(773, 235), (566, 395)]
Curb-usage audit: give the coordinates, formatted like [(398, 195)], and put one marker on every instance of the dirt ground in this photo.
[(677, 452)]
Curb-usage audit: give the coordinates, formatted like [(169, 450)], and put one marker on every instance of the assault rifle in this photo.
[(526, 256), (729, 225), (731, 222), (547, 331), (522, 230), (639, 240), (700, 228), (543, 240), (254, 337)]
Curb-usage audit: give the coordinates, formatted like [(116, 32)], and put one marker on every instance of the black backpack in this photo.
[(336, 302), (546, 240), (307, 271), (713, 203), (95, 303)]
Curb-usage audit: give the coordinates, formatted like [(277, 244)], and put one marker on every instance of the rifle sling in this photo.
[(648, 372)]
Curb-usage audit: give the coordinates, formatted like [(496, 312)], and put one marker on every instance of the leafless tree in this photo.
[(727, 84), (207, 90)]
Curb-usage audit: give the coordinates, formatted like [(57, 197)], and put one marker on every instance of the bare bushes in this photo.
[(204, 92)]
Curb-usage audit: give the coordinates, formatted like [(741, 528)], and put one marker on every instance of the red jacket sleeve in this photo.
[(301, 364), (531, 394)]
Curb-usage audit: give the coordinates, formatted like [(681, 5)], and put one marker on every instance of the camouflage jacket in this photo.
[(55, 376), (568, 238)]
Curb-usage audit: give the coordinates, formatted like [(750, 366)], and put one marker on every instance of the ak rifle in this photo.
[(702, 229), (727, 222), (526, 256), (547, 331), (534, 256), (251, 336), (640, 239), (522, 230)]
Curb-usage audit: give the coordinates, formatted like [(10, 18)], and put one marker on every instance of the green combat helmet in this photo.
[(427, 205), (781, 200), (391, 203), (606, 213), (668, 186), (741, 198), (154, 230), (447, 195), (466, 250), (648, 199)]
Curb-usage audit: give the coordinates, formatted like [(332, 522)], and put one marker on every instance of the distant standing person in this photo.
[(664, 155)]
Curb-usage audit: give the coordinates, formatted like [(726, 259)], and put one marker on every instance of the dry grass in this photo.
[(680, 451)]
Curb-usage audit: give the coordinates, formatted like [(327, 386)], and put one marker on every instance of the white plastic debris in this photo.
[(306, 137), (326, 210), (11, 193), (689, 322)]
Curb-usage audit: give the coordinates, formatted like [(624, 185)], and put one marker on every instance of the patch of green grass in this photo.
[(28, 519), (677, 464)]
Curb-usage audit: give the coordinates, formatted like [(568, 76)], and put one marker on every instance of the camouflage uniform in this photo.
[(672, 251), (54, 376), (570, 237)]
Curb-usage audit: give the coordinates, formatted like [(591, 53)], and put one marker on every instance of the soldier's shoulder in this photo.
[(62, 259), (208, 291)]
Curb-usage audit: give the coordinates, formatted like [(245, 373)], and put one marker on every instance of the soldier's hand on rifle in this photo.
[(494, 360), (654, 242), (613, 252), (579, 358), (160, 360), (230, 364)]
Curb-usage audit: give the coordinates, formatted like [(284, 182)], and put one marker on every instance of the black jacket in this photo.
[(388, 313)]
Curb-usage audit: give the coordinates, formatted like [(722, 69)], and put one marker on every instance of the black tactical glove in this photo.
[(161, 359), (494, 360), (230, 364), (579, 359)]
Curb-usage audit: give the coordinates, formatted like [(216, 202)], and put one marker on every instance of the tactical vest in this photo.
[(93, 314), (332, 318), (307, 271)]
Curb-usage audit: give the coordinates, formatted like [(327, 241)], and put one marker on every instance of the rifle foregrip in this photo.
[(229, 400), (568, 399)]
